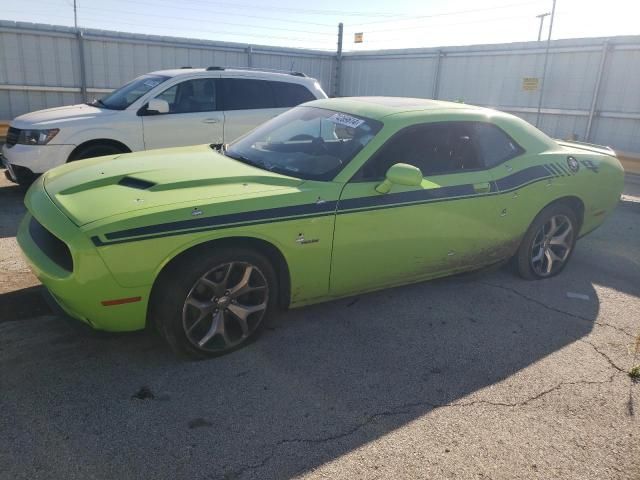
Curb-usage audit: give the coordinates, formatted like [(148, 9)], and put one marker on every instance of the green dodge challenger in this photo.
[(330, 199)]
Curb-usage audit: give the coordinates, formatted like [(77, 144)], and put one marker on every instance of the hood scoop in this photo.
[(136, 183)]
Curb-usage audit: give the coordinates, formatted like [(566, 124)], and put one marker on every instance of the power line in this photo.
[(446, 24), (458, 12), (191, 19), (182, 31), (219, 13), (304, 11)]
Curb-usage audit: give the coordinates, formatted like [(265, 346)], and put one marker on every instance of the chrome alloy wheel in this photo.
[(552, 245), (225, 306)]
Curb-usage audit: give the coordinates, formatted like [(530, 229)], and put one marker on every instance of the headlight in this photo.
[(37, 137)]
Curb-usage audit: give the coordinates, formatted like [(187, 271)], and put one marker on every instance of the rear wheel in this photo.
[(548, 244), (210, 304)]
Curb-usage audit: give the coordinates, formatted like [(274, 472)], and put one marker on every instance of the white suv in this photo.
[(168, 108)]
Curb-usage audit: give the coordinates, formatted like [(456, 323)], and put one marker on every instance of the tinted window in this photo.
[(245, 94), (191, 96), (291, 94), (494, 145), (433, 148), (440, 148)]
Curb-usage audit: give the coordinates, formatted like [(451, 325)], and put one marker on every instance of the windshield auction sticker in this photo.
[(346, 120)]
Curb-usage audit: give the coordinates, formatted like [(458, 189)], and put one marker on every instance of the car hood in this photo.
[(91, 190), (53, 117)]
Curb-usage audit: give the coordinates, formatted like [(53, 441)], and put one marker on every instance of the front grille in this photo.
[(12, 136), (51, 245)]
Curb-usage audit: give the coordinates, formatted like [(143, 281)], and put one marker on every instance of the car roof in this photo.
[(293, 77), (379, 107), (420, 110)]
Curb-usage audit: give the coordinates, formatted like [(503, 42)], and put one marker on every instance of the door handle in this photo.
[(482, 187), (210, 120)]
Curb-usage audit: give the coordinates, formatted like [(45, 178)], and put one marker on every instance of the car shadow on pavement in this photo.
[(12, 201), (320, 382)]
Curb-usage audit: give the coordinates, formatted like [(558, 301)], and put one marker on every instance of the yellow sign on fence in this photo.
[(358, 37), (530, 83)]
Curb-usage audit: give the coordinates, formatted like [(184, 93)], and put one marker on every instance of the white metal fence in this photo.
[(591, 91)]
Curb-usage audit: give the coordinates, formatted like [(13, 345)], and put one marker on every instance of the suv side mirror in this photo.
[(400, 174), (156, 106)]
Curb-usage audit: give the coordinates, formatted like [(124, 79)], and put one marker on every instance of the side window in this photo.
[(494, 145), (291, 94), (246, 94), (191, 96), (433, 148)]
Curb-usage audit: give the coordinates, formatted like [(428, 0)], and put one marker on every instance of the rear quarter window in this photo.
[(291, 94), (493, 144), (247, 94)]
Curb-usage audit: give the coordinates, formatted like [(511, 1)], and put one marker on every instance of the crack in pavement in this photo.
[(557, 310), (603, 355), (405, 409)]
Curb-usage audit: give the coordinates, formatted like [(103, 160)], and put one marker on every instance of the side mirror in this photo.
[(157, 106), (400, 174)]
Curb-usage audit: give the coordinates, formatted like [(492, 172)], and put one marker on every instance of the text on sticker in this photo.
[(346, 120)]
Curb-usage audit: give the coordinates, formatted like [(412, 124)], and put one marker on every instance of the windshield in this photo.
[(306, 142), (127, 94)]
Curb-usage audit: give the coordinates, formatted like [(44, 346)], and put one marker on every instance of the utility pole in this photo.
[(83, 72), (541, 17), (338, 76), (546, 61), (75, 15)]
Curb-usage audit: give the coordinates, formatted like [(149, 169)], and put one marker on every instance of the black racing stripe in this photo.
[(551, 172), (537, 172), (99, 243), (414, 196), (516, 180), (564, 169), (220, 220), (555, 169)]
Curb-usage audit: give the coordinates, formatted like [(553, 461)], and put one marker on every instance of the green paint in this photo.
[(361, 247)]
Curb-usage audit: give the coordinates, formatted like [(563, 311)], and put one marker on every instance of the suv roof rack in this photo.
[(273, 70)]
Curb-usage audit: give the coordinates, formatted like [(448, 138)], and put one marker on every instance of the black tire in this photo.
[(525, 260), (183, 280), (95, 150)]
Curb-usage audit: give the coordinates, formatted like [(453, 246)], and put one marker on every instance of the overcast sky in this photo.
[(385, 24)]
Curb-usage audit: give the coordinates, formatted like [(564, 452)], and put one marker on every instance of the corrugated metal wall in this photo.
[(40, 67), (493, 75)]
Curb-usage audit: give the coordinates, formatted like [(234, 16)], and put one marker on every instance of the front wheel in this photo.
[(548, 244), (210, 304)]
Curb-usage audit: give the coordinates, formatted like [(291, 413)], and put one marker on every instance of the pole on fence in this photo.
[(546, 61), (596, 91), (436, 76), (338, 75), (83, 69), (250, 56)]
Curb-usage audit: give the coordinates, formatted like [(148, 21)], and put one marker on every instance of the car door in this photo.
[(193, 116), (445, 225), (247, 103)]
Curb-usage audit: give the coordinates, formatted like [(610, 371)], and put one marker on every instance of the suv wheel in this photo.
[(95, 150)]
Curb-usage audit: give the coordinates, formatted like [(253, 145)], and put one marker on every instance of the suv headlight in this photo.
[(36, 137)]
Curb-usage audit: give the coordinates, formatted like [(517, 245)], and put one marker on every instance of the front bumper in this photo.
[(37, 158), (80, 292)]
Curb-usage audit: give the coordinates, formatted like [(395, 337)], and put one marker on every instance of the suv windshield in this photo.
[(127, 94), (305, 142)]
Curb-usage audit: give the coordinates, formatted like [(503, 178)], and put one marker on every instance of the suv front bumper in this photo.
[(36, 158)]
